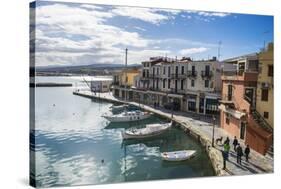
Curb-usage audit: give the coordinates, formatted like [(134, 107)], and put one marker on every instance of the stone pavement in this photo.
[(204, 124)]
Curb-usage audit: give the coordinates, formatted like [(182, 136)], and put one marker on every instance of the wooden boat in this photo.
[(127, 116), (150, 130), (178, 155)]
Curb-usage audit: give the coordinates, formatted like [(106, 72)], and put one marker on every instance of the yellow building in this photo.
[(264, 99), (123, 78), (120, 78)]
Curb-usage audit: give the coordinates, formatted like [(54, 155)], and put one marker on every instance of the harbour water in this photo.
[(74, 145)]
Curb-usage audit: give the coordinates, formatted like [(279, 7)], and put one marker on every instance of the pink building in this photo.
[(237, 108)]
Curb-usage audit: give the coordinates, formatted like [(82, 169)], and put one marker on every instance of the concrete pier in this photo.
[(200, 127)]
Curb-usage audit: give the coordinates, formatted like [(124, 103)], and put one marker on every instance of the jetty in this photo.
[(53, 84), (200, 127)]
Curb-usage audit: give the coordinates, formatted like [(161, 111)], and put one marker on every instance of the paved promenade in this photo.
[(202, 125)]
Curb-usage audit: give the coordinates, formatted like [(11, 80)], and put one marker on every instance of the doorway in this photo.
[(242, 130)]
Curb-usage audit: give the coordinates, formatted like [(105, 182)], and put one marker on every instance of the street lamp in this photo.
[(213, 136)]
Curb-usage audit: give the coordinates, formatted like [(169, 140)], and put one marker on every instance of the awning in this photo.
[(158, 93), (235, 113), (175, 95)]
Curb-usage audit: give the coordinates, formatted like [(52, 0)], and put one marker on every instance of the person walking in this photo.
[(225, 153), (235, 142), (239, 153), (226, 140), (247, 152)]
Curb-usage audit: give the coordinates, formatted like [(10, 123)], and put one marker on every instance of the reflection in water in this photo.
[(74, 145)]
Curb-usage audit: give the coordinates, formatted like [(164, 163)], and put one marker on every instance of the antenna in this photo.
[(126, 52), (219, 50), (264, 33)]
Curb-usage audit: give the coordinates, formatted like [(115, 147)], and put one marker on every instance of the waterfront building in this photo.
[(123, 81), (265, 102), (238, 104), (190, 85), (100, 84)]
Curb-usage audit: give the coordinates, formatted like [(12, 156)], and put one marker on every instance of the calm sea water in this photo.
[(75, 146)]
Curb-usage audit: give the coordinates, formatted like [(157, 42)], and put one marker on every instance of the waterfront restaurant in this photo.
[(238, 103)]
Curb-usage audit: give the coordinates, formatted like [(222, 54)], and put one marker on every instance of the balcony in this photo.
[(192, 74), (236, 76), (177, 91), (154, 76), (207, 74), (178, 76)]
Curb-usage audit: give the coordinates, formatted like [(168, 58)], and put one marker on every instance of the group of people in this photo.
[(237, 148)]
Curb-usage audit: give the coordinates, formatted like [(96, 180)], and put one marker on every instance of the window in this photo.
[(264, 94), (207, 70), (164, 83), (182, 70), (169, 83), (265, 115), (182, 84), (169, 71), (157, 71), (227, 119), (192, 83), (229, 93), (193, 70), (270, 70), (164, 70), (206, 83)]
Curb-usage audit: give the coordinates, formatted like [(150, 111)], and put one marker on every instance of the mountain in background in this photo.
[(86, 69)]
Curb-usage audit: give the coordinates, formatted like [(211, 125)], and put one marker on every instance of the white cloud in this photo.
[(145, 14), (212, 14), (67, 35), (190, 51)]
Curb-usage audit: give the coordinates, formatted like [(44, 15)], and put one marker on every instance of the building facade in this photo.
[(238, 104), (123, 82), (265, 98), (191, 85), (101, 85)]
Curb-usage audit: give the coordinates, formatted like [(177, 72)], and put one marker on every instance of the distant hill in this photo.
[(83, 68)]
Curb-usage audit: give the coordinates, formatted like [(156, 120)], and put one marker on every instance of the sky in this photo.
[(66, 34)]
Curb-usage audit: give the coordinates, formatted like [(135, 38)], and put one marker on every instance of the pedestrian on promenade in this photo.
[(226, 149), (239, 152), (235, 142), (226, 140), (247, 152)]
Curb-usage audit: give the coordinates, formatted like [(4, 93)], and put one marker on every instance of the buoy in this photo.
[(102, 161)]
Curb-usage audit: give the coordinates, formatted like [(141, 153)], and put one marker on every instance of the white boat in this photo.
[(149, 131), (119, 108), (178, 155), (127, 116)]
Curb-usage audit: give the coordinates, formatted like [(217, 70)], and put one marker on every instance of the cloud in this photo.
[(190, 51), (212, 14), (145, 14), (204, 15), (82, 34)]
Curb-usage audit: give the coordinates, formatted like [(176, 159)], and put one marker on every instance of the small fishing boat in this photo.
[(150, 130), (127, 116), (178, 155)]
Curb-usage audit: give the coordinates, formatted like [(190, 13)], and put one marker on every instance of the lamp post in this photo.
[(213, 136)]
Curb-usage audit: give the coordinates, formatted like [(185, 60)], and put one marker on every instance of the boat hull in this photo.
[(178, 155), (127, 119), (128, 136)]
